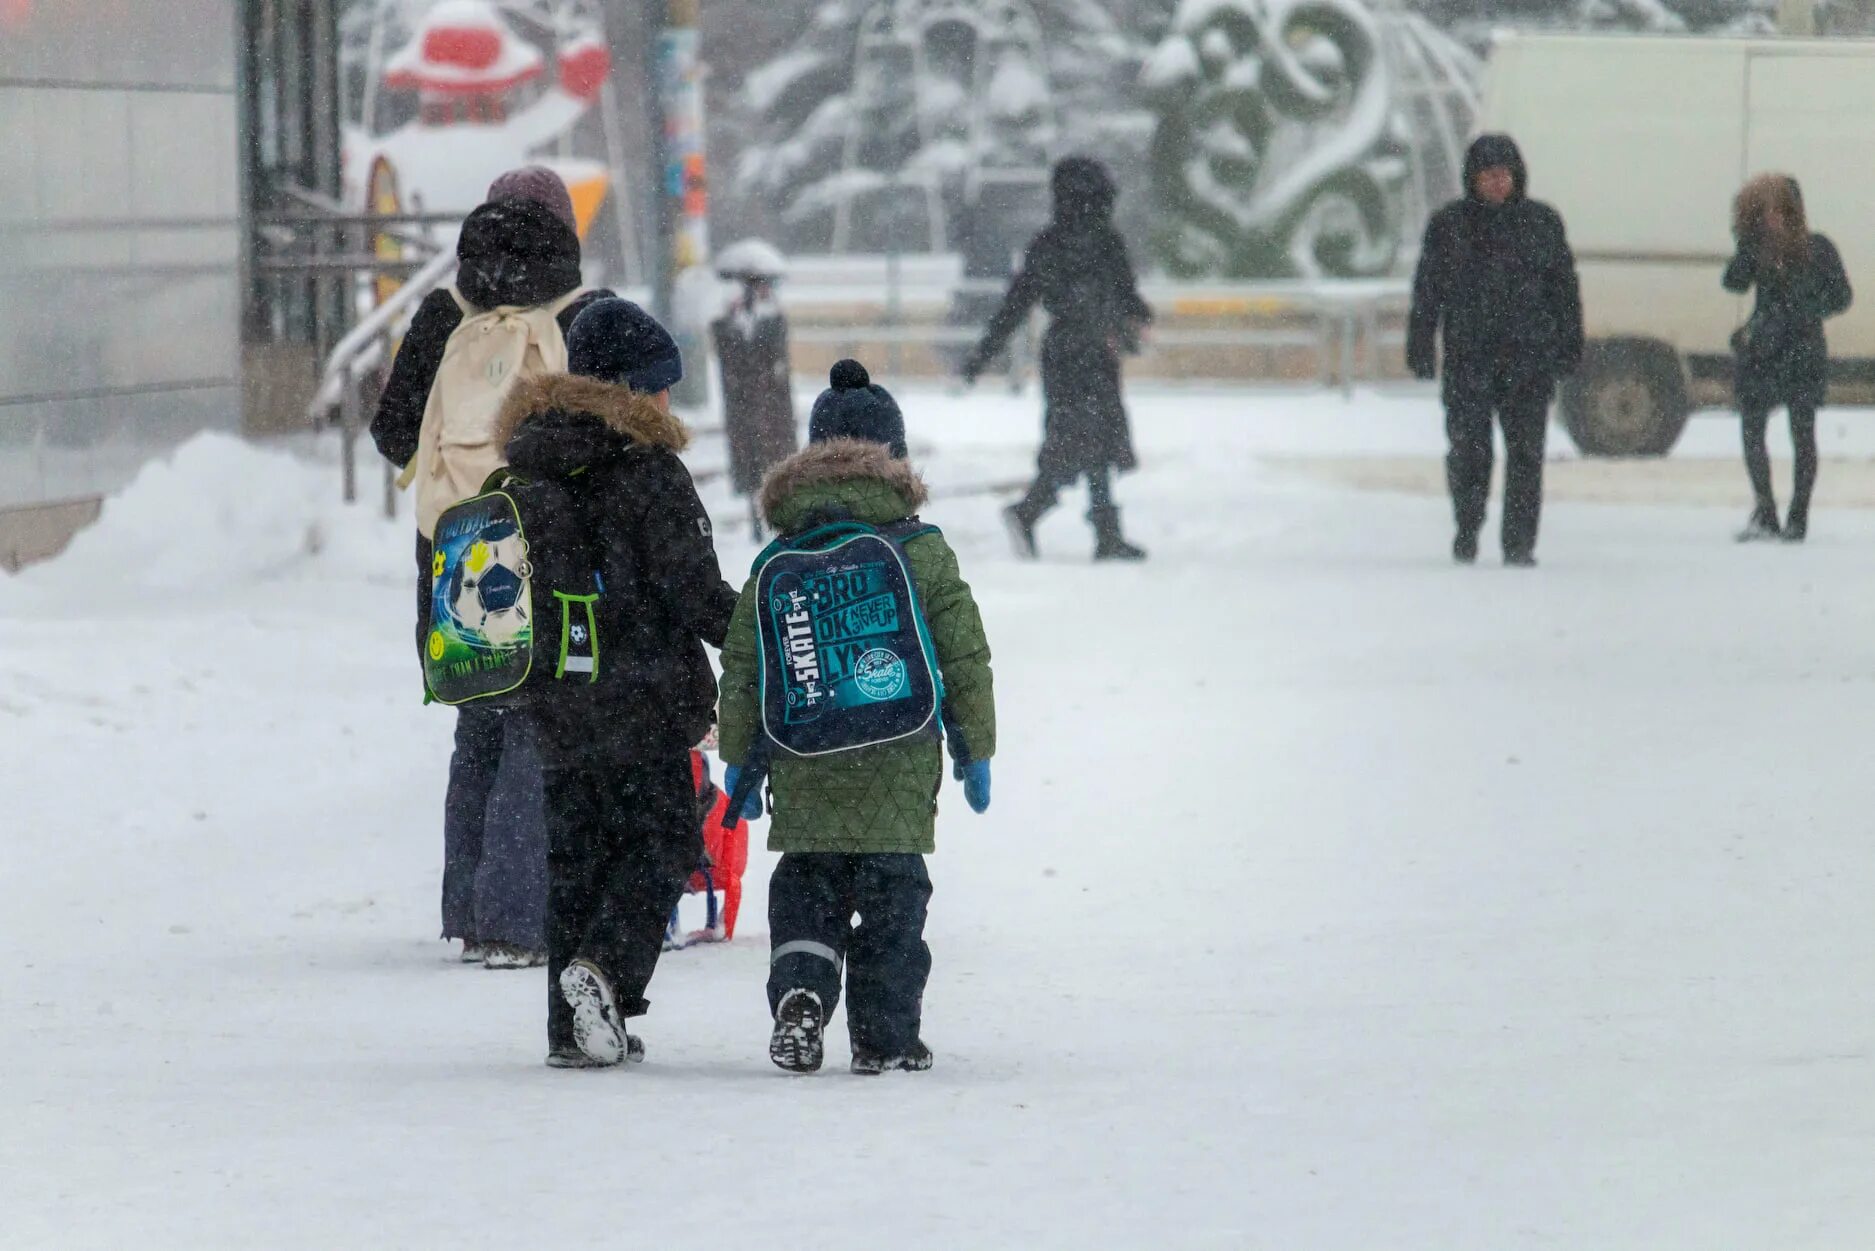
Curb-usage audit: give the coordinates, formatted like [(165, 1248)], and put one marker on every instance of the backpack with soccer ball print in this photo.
[(514, 611)]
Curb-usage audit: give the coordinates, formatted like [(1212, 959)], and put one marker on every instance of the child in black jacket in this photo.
[(621, 809)]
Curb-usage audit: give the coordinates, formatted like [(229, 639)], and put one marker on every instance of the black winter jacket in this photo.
[(1783, 356), (1078, 270), (664, 595), (511, 252), (1498, 284)]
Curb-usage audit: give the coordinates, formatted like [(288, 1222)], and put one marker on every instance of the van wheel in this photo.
[(1627, 399)]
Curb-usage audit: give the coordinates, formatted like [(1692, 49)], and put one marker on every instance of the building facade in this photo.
[(136, 136)]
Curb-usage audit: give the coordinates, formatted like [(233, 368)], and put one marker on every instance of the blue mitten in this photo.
[(750, 809), (976, 779)]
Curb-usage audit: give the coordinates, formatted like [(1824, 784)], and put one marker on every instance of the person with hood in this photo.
[(1497, 285), (1078, 271), (853, 827), (519, 250), (622, 831), (752, 344), (1781, 355)]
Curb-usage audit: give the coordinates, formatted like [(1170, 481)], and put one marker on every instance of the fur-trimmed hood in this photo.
[(557, 423), (840, 468)]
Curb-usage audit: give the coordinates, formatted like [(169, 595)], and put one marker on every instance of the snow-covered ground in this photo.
[(1333, 897)]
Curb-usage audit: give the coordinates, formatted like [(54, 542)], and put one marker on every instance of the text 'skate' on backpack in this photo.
[(846, 656), (514, 605)]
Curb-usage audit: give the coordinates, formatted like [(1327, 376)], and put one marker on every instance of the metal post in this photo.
[(350, 404), (1347, 352), (388, 347), (894, 279)]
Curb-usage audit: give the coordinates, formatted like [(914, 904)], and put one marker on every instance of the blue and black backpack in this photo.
[(845, 655)]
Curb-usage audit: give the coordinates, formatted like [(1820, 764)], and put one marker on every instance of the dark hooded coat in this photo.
[(1782, 355), (1078, 271), (512, 253), (615, 451), (1497, 284)]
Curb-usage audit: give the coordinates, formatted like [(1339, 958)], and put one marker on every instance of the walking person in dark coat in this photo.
[(1077, 270), (623, 835), (519, 249), (1497, 284), (1781, 354), (758, 398)]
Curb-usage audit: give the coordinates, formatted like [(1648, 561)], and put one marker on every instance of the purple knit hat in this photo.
[(539, 184)]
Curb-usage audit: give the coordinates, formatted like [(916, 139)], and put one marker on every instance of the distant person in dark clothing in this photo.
[(758, 395), (1497, 284), (1781, 354), (1077, 270), (518, 250)]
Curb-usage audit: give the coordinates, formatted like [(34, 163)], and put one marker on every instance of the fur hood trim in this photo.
[(841, 460), (623, 410)]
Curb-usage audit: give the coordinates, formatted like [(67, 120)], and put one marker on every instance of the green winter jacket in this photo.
[(876, 799)]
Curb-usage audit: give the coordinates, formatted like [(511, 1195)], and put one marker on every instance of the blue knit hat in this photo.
[(616, 341), (853, 408)]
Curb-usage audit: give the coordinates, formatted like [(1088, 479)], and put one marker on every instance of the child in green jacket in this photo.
[(854, 827)]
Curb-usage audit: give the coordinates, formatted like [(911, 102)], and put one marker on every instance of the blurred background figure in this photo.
[(1780, 354), (1497, 287), (752, 344), (1078, 271)]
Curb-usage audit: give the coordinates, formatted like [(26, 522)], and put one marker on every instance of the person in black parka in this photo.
[(1781, 355), (1078, 271), (519, 248), (622, 830), (1497, 284)]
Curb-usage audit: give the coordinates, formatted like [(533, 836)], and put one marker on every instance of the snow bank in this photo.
[(216, 514)]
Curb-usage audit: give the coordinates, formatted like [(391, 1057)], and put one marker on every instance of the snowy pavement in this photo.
[(1333, 897)]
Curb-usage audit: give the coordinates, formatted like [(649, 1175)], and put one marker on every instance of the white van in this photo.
[(1642, 141)]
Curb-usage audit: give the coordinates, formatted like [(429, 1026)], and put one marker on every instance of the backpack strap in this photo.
[(903, 532)]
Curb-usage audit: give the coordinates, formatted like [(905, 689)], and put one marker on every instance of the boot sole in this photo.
[(596, 1027), (798, 1044)]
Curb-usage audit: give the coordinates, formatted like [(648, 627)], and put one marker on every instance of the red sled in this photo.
[(725, 856)]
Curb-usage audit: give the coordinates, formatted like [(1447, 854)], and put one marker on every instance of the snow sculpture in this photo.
[(1302, 138)]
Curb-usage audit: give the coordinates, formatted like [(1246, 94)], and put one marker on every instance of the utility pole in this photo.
[(683, 282)]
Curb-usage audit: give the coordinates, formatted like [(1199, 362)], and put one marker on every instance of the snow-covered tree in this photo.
[(891, 122)]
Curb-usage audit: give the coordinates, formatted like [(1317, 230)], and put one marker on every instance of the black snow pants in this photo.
[(1757, 421), (622, 840), (812, 899), (494, 833), (1521, 406)]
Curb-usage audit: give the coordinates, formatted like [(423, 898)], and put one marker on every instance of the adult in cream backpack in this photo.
[(517, 292)]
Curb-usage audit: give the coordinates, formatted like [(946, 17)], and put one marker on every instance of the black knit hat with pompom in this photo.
[(854, 408)]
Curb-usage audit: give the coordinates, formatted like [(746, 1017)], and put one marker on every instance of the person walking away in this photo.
[(752, 344), (1780, 355), (853, 826), (1078, 271), (1497, 286), (519, 253), (622, 832)]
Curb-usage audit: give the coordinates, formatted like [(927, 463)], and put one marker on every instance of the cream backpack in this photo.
[(487, 355)]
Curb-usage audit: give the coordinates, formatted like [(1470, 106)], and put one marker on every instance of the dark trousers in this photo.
[(1757, 420), (1521, 407), (622, 840), (1045, 492), (812, 899), (494, 833)]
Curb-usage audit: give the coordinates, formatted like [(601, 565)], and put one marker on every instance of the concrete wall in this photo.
[(119, 238)]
